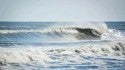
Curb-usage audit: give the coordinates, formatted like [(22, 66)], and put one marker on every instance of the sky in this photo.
[(62, 10)]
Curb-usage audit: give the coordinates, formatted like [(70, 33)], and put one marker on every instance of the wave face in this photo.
[(53, 32), (67, 46)]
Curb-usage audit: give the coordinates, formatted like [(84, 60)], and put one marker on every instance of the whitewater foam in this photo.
[(113, 34), (50, 54), (21, 55)]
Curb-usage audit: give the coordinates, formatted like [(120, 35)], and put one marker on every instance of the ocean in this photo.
[(62, 46)]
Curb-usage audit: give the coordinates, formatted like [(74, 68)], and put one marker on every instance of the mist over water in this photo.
[(59, 45)]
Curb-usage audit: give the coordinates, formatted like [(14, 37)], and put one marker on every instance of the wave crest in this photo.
[(72, 31)]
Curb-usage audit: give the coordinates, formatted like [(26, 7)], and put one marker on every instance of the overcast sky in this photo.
[(62, 10)]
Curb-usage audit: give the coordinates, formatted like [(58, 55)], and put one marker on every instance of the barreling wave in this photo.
[(68, 31)]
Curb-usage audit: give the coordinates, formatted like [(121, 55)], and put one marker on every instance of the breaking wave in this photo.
[(109, 44), (58, 53), (57, 31)]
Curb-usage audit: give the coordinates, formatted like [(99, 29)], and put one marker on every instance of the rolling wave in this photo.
[(57, 31)]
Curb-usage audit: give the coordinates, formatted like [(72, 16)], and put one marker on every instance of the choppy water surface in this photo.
[(62, 46)]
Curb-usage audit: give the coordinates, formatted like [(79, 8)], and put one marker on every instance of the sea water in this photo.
[(62, 46)]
